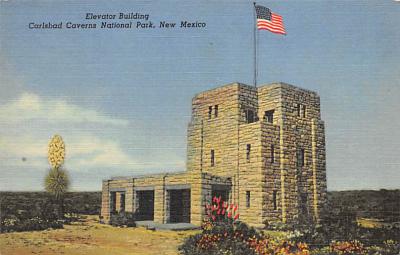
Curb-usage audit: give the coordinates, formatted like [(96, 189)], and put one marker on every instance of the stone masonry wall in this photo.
[(125, 185), (208, 132), (271, 186), (303, 183), (281, 190), (269, 98), (250, 174), (228, 135), (198, 183)]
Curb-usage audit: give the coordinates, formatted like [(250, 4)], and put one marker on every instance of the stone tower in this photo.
[(269, 141)]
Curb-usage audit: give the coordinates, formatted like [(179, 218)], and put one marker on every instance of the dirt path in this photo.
[(89, 237)]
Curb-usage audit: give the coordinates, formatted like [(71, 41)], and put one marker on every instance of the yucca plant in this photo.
[(57, 181)]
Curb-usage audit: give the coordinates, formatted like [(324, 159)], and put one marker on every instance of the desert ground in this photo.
[(90, 237), (374, 210)]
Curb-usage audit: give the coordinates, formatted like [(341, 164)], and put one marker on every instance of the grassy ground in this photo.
[(89, 237)]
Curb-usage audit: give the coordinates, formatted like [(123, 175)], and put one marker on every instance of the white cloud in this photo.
[(23, 146), (97, 145), (82, 152), (30, 106), (95, 152), (26, 132)]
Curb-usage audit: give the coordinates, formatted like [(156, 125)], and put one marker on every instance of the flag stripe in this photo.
[(265, 23), (272, 30), (276, 16)]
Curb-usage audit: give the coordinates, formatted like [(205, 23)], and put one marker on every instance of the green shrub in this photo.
[(26, 211), (389, 247), (222, 238), (37, 215), (123, 219), (340, 224), (15, 224), (223, 233)]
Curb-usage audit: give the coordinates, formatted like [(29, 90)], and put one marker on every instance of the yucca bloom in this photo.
[(56, 152)]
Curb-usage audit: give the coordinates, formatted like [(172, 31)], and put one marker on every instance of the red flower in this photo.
[(236, 217)]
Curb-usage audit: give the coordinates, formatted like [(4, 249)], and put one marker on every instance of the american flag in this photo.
[(267, 20)]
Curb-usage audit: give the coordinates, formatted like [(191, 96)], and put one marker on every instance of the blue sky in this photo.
[(121, 98)]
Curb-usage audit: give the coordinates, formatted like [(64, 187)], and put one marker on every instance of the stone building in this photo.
[(261, 148)]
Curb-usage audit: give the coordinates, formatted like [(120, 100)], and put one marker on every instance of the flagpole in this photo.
[(255, 45)]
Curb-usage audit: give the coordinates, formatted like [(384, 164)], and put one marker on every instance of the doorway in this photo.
[(145, 205), (179, 205)]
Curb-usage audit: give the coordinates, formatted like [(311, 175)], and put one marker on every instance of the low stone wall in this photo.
[(199, 184)]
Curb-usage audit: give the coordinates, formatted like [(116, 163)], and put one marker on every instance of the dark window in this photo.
[(300, 157), (122, 202), (304, 204), (272, 153), (113, 196), (248, 149), (212, 158), (209, 112), (274, 199), (298, 109), (250, 118), (247, 199), (304, 111), (216, 111), (269, 116)]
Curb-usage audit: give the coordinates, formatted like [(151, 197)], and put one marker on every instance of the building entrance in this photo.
[(179, 205), (145, 205)]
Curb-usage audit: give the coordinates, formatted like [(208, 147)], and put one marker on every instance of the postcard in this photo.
[(199, 127)]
